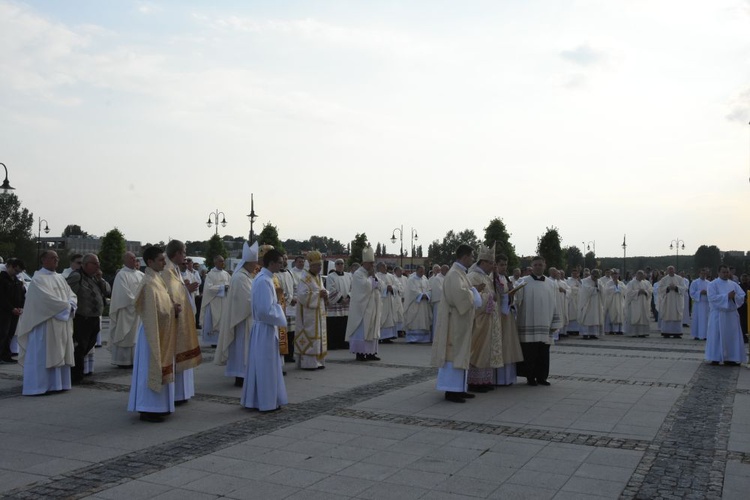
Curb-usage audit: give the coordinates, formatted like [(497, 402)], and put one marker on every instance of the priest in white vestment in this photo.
[(188, 351), (417, 309), (237, 317), (123, 318), (486, 336), (574, 283), (699, 294), (215, 291), (638, 306), (614, 304), (537, 320), (311, 339), (436, 293), (365, 310), (152, 382), (451, 348), (388, 296), (512, 353), (562, 290), (288, 284), (591, 307), (264, 386), (45, 331), (401, 282), (725, 342), (671, 299), (686, 307)]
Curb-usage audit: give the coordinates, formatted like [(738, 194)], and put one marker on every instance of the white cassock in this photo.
[(389, 306), (590, 308), (123, 319), (724, 331), (671, 304), (401, 282), (638, 308), (236, 322), (699, 321), (574, 285), (45, 334), (561, 299), (436, 295), (365, 309), (418, 312), (212, 305), (264, 387), (289, 283), (189, 276), (614, 306)]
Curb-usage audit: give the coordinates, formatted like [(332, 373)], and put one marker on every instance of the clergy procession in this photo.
[(485, 327)]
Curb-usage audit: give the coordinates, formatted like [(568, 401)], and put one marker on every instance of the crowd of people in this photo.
[(486, 327)]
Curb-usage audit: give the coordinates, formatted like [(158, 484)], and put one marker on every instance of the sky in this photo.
[(601, 119)]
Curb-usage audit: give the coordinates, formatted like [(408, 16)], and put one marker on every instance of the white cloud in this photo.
[(739, 107), (584, 55)]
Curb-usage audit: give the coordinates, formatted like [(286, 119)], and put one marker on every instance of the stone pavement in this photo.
[(623, 418)]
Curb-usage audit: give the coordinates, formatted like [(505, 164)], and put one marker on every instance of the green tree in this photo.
[(573, 258), (359, 244), (194, 247), (270, 236), (549, 248), (74, 230), (589, 260), (445, 252), (378, 250), (16, 224), (215, 247), (496, 233), (707, 256), (111, 253)]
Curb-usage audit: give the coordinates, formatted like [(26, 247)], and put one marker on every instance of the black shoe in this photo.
[(731, 363), (454, 397), (478, 388), (531, 381), (9, 361), (151, 417), (361, 357), (467, 395), (715, 363), (239, 381), (321, 368), (181, 402), (543, 382), (373, 357), (82, 382)]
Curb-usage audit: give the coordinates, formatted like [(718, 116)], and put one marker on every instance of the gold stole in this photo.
[(283, 342)]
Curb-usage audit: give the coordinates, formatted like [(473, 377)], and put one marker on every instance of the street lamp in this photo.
[(414, 238), (675, 245), (588, 246), (6, 187), (39, 236), (252, 216), (624, 249), (216, 215), (401, 237)]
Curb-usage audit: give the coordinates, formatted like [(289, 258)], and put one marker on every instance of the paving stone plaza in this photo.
[(623, 418)]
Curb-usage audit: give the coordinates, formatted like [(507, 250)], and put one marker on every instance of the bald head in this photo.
[(129, 260)]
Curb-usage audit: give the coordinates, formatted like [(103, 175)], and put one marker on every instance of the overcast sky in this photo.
[(599, 118)]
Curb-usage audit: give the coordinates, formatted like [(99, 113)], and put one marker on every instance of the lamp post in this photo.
[(252, 216), (6, 187), (588, 246), (414, 238), (675, 245), (39, 236), (624, 249), (401, 237), (216, 215)]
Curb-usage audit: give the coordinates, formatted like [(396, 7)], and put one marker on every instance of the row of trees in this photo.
[(17, 240)]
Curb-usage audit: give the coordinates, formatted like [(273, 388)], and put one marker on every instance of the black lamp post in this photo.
[(414, 238), (39, 236), (252, 216), (6, 187), (675, 245)]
